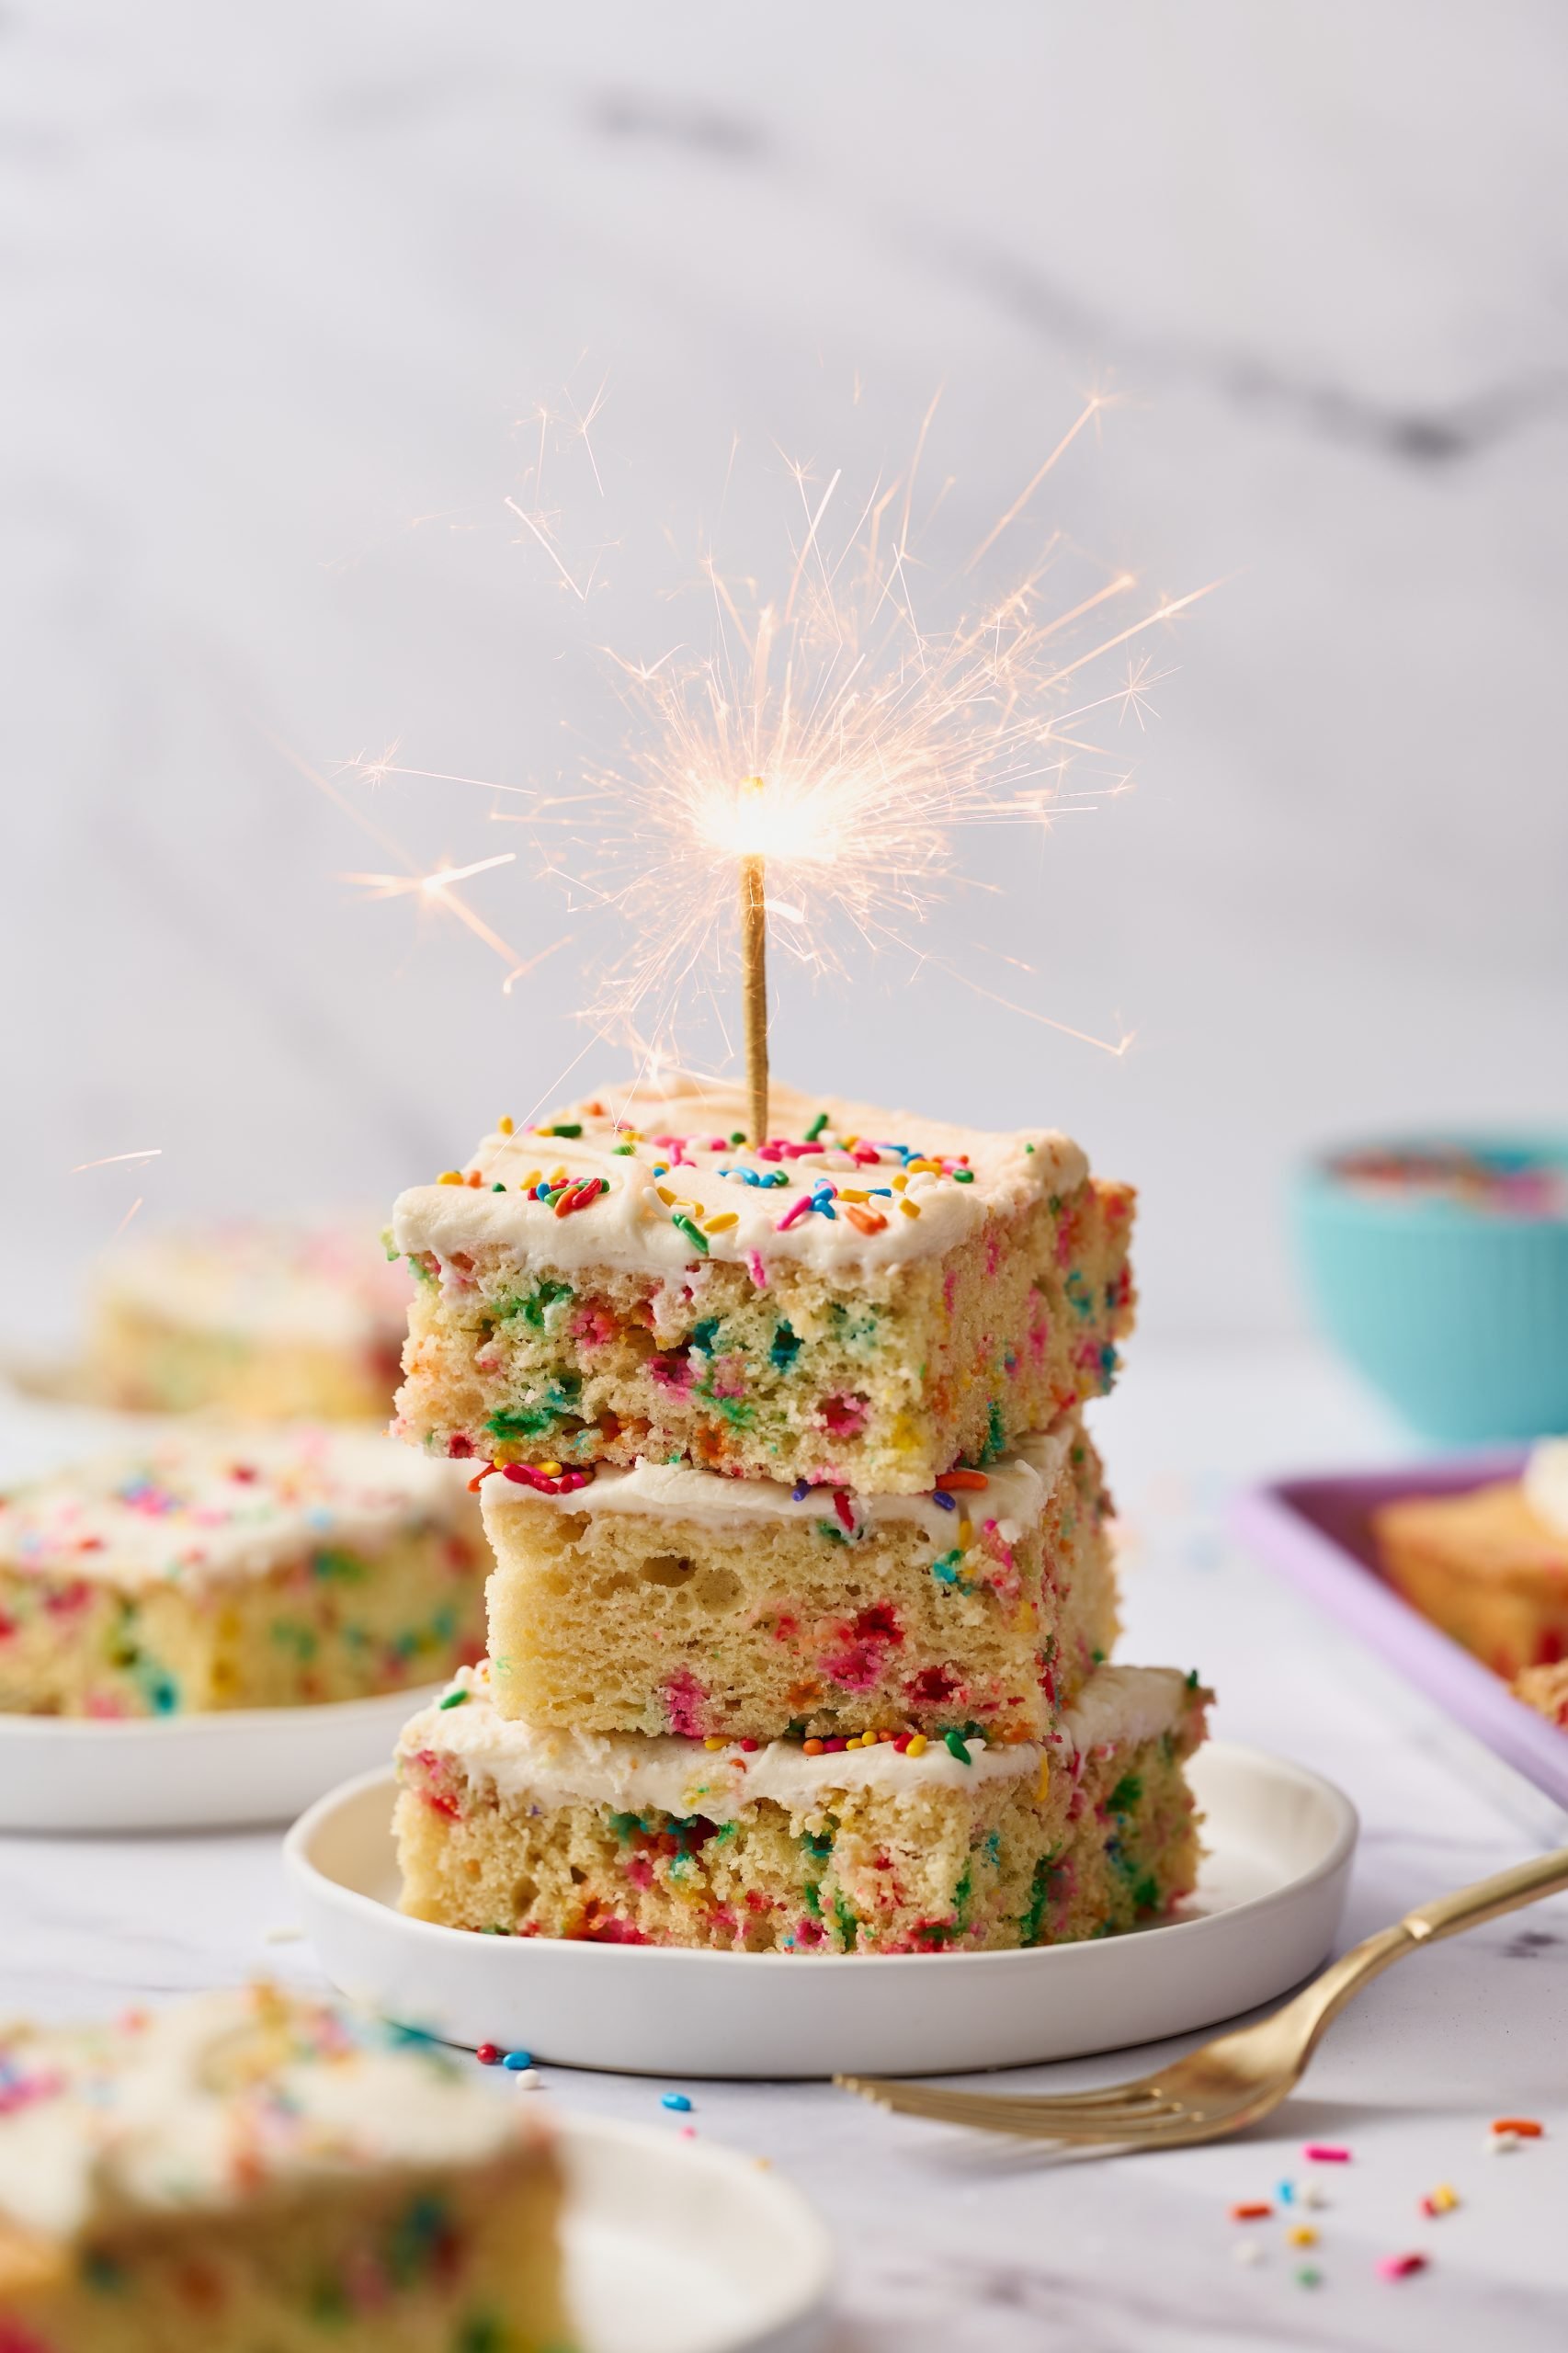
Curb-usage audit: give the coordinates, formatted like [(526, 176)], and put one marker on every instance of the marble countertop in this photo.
[(960, 2243)]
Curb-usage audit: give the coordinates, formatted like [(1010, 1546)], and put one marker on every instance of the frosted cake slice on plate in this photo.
[(252, 2169), (905, 1846), (213, 1567)]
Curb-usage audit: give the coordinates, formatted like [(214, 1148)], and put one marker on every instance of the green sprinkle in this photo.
[(1309, 2275), (453, 1698), (567, 1128), (1146, 1893), (945, 1571), (848, 1925), (1029, 1147), (703, 1335), (953, 1742), (816, 1127), (693, 1232), (624, 1149), (786, 1346), (963, 1176), (995, 1434), (498, 1188), (1127, 1793), (813, 1899)]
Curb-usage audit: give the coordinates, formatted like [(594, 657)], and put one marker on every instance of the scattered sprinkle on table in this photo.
[(679, 2101), (1303, 2236), (1254, 2210), (1308, 2275), (488, 2055), (1441, 2200), (1524, 2128), (515, 2060), (1401, 2267), (1247, 2251), (1325, 2153)]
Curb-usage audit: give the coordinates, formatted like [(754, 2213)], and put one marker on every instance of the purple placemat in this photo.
[(1318, 1533)]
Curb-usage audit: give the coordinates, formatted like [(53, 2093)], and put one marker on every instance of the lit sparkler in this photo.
[(814, 763)]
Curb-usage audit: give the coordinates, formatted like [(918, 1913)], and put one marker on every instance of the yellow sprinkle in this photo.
[(917, 1747), (900, 1181), (718, 1224), (665, 1195), (1445, 2197), (558, 1176), (450, 1176), (924, 1167), (504, 1124), (849, 1193), (1042, 1787), (535, 1177), (849, 1143), (1303, 2236), (712, 1741), (966, 1533), (550, 1469), (910, 1209)]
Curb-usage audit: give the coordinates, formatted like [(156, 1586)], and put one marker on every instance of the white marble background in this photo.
[(277, 282)]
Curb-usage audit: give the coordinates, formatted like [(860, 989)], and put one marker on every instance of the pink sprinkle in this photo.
[(1400, 2267), (792, 1215), (689, 2133), (757, 1271), (1323, 2152)]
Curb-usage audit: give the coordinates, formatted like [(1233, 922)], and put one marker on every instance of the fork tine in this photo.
[(1129, 2131), (1012, 2111)]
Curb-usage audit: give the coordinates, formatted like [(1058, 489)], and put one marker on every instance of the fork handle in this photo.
[(1489, 1899), (1446, 1915)]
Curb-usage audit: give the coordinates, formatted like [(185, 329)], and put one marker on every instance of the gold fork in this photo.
[(1232, 2081)]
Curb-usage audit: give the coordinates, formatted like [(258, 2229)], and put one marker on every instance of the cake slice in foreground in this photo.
[(265, 1322), (666, 1600), (254, 2170), (863, 1301), (226, 1568), (886, 1847)]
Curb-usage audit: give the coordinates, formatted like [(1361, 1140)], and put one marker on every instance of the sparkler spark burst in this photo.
[(837, 734)]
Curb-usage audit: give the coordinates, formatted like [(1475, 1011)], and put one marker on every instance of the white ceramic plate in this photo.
[(680, 2246), (1281, 1840), (198, 1772)]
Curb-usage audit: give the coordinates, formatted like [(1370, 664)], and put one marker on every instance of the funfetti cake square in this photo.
[(668, 1599), (865, 1300)]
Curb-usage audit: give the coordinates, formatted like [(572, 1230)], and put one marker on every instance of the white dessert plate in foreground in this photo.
[(224, 1771), (680, 2246), (1281, 1840)]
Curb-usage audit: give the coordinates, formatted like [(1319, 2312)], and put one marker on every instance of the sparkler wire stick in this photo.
[(754, 977)]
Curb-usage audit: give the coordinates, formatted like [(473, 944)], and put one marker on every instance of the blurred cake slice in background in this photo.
[(1490, 1566), (253, 2169), (272, 1321), (219, 1567)]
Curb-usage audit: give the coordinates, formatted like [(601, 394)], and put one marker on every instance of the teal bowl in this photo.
[(1455, 1308)]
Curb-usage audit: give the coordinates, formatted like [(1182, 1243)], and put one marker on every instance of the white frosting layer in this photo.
[(203, 2105), (632, 1773), (204, 1504), (631, 1226), (1017, 1491), (1546, 1483), (326, 1286)]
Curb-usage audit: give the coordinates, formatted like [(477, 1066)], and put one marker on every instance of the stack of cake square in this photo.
[(803, 1594)]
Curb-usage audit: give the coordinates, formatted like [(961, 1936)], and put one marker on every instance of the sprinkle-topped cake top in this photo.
[(205, 1505), (663, 1174), (216, 2102), (326, 1284)]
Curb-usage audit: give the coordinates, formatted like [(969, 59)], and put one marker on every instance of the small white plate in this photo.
[(680, 2246), (234, 1767), (1280, 1839)]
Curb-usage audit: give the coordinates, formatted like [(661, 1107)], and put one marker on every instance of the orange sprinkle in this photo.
[(1524, 2126), (863, 1220), (474, 1176), (1255, 2210), (951, 1480), (811, 1747)]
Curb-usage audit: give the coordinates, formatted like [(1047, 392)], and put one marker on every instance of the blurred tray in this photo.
[(1318, 1533)]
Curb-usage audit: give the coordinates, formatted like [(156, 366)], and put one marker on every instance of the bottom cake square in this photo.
[(882, 1845)]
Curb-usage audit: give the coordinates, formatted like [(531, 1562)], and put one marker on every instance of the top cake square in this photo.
[(866, 1300)]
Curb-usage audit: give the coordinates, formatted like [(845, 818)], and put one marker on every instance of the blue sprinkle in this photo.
[(1287, 2193), (676, 2100), (944, 1501), (800, 1491), (880, 1192), (518, 2060)]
